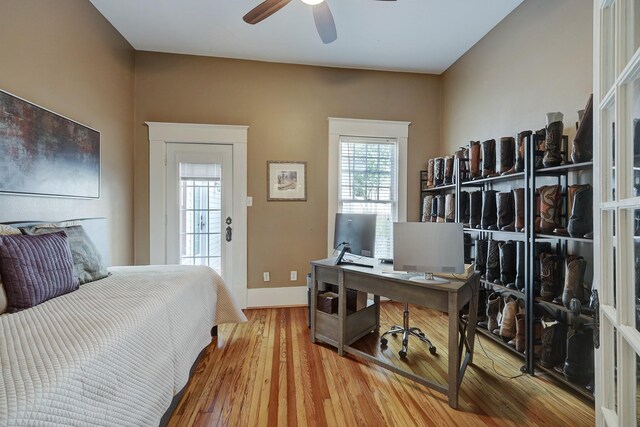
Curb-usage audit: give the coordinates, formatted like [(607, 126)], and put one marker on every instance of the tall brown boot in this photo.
[(450, 207), (582, 148), (438, 171), (430, 173), (474, 160), (518, 196), (489, 158), (493, 308), (549, 276), (519, 341), (553, 143), (448, 170), (504, 203), (426, 208), (571, 191), (507, 155), (442, 208), (508, 323), (521, 141), (536, 210), (575, 268), (550, 208)]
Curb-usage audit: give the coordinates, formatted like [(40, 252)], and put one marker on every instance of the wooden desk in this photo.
[(344, 329)]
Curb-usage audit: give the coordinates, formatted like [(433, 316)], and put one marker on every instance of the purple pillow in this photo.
[(35, 269)]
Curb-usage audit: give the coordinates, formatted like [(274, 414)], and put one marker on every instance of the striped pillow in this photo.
[(35, 269)]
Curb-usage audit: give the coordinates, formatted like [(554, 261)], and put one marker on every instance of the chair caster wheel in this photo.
[(383, 342), (402, 354), (432, 350)]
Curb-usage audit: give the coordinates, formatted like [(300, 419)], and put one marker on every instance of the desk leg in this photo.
[(473, 320), (376, 301), (454, 355), (314, 299), (342, 313)]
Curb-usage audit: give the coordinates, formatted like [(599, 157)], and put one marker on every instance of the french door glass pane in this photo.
[(608, 133), (608, 260), (635, 258), (633, 97), (637, 389), (633, 28), (608, 38)]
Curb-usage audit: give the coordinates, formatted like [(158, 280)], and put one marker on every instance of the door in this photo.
[(617, 209), (200, 206)]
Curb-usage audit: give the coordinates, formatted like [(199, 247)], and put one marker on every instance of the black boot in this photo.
[(482, 306), (578, 366), (507, 155), (448, 170), (493, 262), (520, 144), (442, 206), (507, 263), (581, 219), (489, 216), (481, 256), (539, 142), (582, 149), (518, 283), (488, 158), (553, 343), (504, 202), (553, 143), (434, 209), (475, 208), (464, 209), (462, 156), (468, 244)]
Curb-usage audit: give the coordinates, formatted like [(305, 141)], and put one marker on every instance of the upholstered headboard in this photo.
[(96, 228)]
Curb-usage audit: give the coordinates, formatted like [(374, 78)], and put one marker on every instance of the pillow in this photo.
[(35, 269), (5, 230), (86, 258)]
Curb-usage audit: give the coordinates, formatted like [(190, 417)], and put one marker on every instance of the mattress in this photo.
[(114, 352)]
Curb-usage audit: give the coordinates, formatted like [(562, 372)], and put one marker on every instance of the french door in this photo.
[(200, 206), (617, 203)]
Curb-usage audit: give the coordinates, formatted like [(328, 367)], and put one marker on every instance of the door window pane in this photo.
[(608, 38), (633, 98), (633, 28), (608, 134), (636, 260)]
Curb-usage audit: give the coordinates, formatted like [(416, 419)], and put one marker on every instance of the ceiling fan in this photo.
[(321, 15)]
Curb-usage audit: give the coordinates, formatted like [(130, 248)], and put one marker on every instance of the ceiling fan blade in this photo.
[(325, 24), (264, 10)]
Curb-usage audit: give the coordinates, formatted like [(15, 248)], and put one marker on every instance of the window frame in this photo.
[(359, 128)]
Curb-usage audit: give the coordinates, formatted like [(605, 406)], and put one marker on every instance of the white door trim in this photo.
[(372, 128), (160, 134)]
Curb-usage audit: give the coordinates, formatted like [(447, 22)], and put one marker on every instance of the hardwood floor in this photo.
[(266, 372)]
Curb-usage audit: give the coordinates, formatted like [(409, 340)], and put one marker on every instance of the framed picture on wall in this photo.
[(286, 181)]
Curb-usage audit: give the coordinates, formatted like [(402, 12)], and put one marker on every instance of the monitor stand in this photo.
[(429, 279)]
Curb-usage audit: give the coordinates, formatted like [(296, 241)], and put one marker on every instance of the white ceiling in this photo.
[(424, 36)]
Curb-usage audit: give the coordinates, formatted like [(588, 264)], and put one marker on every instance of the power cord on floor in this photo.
[(493, 364)]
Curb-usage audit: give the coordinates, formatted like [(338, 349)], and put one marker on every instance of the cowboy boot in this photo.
[(464, 209), (489, 158), (434, 209), (507, 155), (438, 171), (493, 308), (575, 268), (461, 156), (475, 208), (553, 341), (508, 325), (493, 261), (521, 141), (518, 196), (582, 147), (426, 208), (504, 202), (571, 191), (549, 276), (519, 342), (441, 208), (578, 366), (536, 210), (450, 209), (539, 147), (468, 243), (581, 219), (430, 164), (550, 208), (507, 263), (489, 216), (474, 160), (448, 170), (538, 249), (553, 143), (518, 282), (481, 256)]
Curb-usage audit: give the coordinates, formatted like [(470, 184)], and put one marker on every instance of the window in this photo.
[(368, 174), (368, 183)]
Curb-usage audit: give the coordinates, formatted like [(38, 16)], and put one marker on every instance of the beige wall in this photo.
[(286, 107), (64, 56), (537, 60)]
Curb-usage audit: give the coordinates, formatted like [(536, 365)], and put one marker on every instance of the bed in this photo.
[(117, 351)]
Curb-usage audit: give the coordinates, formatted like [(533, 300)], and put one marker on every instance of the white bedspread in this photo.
[(112, 353)]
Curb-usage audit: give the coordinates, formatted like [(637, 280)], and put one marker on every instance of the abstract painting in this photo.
[(44, 153)]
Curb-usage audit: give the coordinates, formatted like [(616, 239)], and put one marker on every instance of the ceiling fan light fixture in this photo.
[(312, 2)]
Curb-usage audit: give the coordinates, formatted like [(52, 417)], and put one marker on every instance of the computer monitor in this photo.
[(428, 248), (357, 232)]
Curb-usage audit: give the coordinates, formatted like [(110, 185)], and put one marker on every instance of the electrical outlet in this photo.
[(294, 276), (265, 276)]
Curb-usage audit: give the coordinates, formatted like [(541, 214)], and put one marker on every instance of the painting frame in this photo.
[(45, 153), (286, 181)]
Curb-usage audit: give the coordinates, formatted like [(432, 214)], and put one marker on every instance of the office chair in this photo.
[(406, 330)]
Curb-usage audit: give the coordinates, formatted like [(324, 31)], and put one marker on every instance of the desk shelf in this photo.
[(359, 324)]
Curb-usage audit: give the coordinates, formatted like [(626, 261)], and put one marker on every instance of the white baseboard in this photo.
[(277, 297)]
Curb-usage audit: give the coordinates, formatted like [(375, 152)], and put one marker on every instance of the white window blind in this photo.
[(368, 183)]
